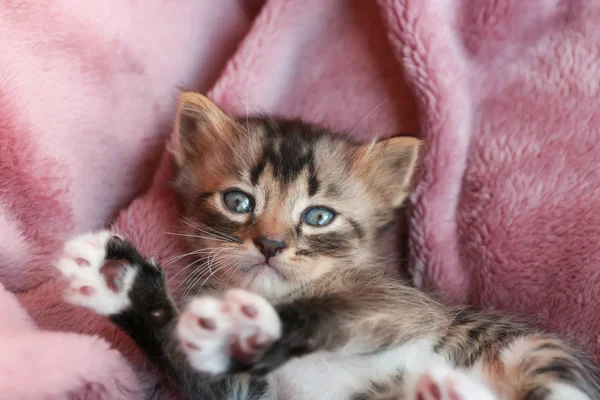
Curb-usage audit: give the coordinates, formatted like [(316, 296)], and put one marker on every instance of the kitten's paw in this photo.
[(216, 333), (442, 383), (94, 282)]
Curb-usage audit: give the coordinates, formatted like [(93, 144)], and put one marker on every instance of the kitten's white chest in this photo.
[(315, 376), (328, 376)]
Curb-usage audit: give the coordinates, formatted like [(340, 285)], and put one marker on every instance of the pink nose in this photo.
[(270, 247)]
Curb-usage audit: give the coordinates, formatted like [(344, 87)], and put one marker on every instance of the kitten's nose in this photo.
[(270, 247)]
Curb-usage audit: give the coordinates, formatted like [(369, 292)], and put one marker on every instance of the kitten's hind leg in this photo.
[(544, 368), (443, 383)]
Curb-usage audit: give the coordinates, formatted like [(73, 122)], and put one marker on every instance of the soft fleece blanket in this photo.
[(506, 212)]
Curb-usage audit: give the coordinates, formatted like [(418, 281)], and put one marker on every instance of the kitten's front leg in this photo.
[(107, 275), (229, 334), (343, 317)]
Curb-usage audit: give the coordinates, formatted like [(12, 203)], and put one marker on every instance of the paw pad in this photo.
[(82, 262), (249, 311), (236, 329), (93, 281), (87, 291), (443, 383), (114, 272), (207, 324)]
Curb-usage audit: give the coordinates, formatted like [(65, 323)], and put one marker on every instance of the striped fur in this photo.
[(349, 332), (286, 166)]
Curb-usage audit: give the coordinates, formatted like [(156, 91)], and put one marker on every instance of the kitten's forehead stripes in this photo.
[(333, 191), (289, 147), (313, 181)]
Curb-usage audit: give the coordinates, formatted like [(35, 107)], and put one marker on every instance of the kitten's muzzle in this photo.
[(269, 247)]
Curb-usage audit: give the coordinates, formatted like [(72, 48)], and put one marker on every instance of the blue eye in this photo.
[(318, 216), (238, 202)]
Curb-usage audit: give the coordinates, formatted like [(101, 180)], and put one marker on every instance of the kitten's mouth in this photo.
[(265, 268)]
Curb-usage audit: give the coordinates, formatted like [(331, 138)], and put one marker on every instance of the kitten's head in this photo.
[(273, 205)]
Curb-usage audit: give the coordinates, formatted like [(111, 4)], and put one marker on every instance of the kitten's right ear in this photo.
[(199, 123), (389, 165)]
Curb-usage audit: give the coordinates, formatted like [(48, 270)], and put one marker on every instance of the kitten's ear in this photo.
[(390, 165), (199, 123)]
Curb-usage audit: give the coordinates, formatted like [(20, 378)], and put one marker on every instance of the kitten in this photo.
[(295, 305)]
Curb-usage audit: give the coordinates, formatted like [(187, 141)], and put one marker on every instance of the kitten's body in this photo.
[(298, 214)]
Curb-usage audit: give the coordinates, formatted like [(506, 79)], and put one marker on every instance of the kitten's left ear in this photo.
[(390, 165), (200, 125)]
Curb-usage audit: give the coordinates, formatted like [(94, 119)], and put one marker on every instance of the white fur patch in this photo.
[(208, 349), (80, 264), (340, 375), (561, 391), (513, 355), (445, 383)]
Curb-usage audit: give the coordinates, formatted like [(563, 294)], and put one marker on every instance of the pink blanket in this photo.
[(506, 213)]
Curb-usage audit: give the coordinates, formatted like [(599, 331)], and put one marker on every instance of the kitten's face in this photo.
[(276, 205)]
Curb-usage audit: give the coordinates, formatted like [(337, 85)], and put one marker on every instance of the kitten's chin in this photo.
[(266, 281)]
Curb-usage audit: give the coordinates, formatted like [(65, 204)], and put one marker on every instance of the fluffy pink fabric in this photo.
[(506, 212), (86, 100)]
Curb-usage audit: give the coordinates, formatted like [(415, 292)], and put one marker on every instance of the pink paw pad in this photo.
[(87, 291), (94, 243), (430, 390), (93, 281), (82, 262), (114, 272), (249, 311), (239, 327), (448, 384), (207, 323), (190, 346)]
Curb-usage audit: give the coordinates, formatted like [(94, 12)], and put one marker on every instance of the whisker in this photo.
[(365, 117), (193, 278), (212, 269), (215, 234), (197, 236), (184, 268), (187, 277), (225, 270), (223, 265), (179, 257), (200, 269), (212, 232), (246, 107), (210, 264)]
